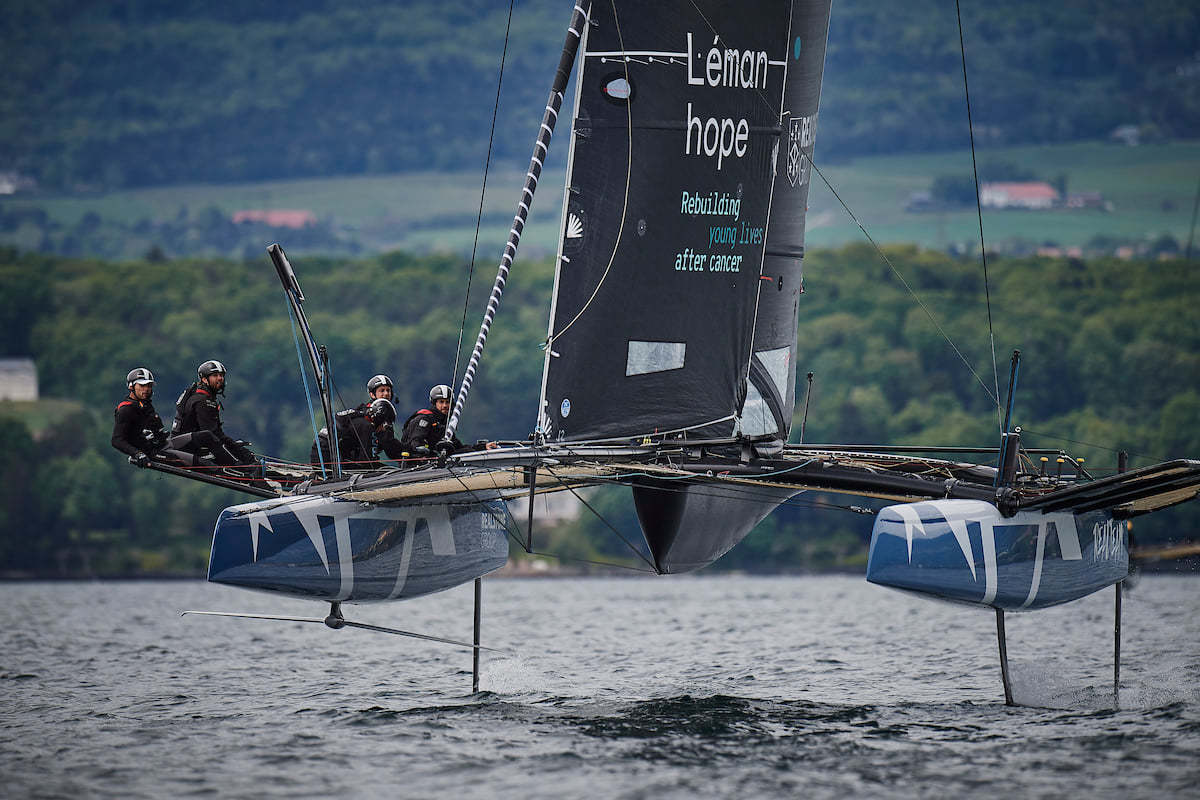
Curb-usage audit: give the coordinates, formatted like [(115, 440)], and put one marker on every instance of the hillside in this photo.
[(1110, 362), (103, 96), (1149, 190)]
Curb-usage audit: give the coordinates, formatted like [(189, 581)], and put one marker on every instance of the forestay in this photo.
[(684, 141)]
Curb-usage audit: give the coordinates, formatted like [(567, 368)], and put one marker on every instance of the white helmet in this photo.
[(140, 376), (210, 367), (376, 382)]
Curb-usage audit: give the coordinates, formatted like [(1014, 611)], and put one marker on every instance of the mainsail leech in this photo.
[(541, 147)]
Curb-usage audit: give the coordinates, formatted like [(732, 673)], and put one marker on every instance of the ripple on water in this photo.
[(854, 691)]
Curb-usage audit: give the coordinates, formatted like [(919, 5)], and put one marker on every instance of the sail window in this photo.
[(757, 419), (645, 357), (775, 362), (618, 88)]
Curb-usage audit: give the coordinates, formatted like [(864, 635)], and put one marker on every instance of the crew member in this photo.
[(138, 430), (377, 387), (362, 436), (380, 387), (427, 426), (197, 427)]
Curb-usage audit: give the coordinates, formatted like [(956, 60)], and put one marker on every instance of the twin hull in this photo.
[(326, 548), (331, 549), (966, 551)]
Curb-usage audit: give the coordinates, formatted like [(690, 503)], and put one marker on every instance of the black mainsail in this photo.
[(679, 275), (679, 266), (771, 393)]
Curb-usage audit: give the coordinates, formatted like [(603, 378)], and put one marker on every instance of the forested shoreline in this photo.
[(1109, 362), (103, 96)]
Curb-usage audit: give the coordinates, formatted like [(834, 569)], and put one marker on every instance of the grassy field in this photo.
[(1152, 189), (39, 415)]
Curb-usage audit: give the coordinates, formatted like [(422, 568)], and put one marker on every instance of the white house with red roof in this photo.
[(276, 217), (1030, 194)]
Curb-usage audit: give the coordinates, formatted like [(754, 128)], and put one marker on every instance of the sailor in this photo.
[(197, 427), (427, 426), (379, 386), (362, 437), (137, 429)]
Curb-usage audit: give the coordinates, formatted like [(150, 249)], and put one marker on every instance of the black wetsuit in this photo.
[(197, 428), (359, 444), (137, 427), (423, 430)]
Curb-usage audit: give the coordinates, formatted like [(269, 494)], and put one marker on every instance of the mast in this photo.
[(540, 148), (319, 356)]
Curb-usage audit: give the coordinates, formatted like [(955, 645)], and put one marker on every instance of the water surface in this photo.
[(647, 687)]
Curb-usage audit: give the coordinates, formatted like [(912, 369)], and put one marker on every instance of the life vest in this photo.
[(185, 417)]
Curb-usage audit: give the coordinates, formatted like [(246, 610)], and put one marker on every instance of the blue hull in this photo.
[(330, 549), (965, 551)]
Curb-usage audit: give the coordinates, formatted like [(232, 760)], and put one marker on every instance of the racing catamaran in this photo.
[(671, 361)]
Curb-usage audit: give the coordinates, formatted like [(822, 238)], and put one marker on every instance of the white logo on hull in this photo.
[(959, 513), (1108, 543), (309, 510)]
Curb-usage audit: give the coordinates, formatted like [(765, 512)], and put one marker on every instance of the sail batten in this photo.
[(680, 130)]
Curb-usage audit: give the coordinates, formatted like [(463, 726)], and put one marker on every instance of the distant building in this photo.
[(1032, 194), (1130, 135), (1087, 200), (549, 507), (919, 202), (1054, 251), (13, 182), (18, 379), (276, 217)]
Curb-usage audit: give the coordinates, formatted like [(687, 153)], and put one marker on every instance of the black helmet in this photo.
[(141, 375), (440, 392), (381, 412), (376, 382), (210, 367)]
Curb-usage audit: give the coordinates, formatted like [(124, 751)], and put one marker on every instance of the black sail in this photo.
[(676, 143), (771, 395)]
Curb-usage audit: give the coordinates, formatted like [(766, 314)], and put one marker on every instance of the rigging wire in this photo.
[(509, 531), (559, 557), (600, 517), (1092, 444), (747, 494), (979, 210), (995, 397), (728, 491), (482, 193), (312, 415), (1192, 232), (548, 345), (532, 175), (366, 446)]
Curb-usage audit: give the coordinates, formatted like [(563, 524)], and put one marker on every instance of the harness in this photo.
[(182, 423)]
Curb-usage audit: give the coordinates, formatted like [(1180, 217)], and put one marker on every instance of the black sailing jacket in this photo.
[(198, 409), (137, 428), (425, 428), (359, 444)]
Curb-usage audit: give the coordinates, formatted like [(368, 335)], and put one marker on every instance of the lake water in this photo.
[(644, 687)]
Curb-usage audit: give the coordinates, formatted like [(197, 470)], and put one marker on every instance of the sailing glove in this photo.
[(140, 460)]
